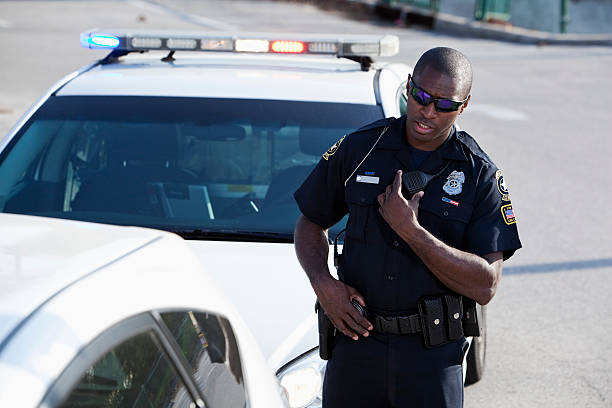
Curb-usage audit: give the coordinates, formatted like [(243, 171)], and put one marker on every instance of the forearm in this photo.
[(312, 250), (462, 272)]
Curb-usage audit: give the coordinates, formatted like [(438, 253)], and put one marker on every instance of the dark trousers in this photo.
[(393, 371)]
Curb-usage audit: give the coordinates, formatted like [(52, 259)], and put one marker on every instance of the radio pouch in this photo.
[(472, 318), (326, 333), (433, 321), (454, 312)]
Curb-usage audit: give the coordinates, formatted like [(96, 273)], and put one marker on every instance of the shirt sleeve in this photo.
[(492, 227), (321, 196)]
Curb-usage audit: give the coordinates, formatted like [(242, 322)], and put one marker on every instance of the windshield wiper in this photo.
[(234, 235)]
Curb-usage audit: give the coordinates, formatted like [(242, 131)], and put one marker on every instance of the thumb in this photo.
[(417, 197), (353, 294)]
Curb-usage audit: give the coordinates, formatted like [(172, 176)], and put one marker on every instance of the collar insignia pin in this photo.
[(454, 182)]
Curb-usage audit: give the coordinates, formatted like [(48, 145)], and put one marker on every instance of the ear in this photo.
[(465, 104)]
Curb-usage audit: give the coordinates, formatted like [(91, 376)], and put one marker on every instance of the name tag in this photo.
[(367, 179)]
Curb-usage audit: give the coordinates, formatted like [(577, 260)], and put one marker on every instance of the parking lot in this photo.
[(541, 112)]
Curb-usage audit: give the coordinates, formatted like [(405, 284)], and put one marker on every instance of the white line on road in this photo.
[(497, 112), (192, 18), (292, 340)]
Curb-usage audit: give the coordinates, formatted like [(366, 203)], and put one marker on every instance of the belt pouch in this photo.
[(454, 312), (472, 317), (431, 311), (326, 333)]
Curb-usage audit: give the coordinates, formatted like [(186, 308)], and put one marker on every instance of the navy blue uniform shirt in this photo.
[(467, 207)]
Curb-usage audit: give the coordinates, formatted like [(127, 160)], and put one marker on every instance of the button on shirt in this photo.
[(467, 207)]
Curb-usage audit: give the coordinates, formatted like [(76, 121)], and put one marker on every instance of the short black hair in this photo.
[(449, 62)]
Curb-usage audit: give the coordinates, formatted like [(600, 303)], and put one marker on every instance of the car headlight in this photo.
[(302, 380)]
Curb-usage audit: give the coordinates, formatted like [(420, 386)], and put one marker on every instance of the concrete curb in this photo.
[(451, 24)]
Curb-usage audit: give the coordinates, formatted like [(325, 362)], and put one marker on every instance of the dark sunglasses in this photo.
[(442, 105)]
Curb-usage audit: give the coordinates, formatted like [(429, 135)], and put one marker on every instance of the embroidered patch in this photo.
[(332, 150), (501, 186), (508, 214), (448, 200), (454, 183)]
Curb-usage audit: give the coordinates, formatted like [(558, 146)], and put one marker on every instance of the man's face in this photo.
[(426, 128)]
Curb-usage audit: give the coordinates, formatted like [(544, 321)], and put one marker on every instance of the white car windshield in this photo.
[(205, 168)]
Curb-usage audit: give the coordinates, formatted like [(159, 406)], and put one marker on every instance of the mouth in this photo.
[(423, 127)]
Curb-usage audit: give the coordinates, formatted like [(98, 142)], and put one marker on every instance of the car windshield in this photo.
[(206, 168)]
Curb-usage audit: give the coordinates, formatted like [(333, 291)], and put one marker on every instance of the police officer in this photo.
[(450, 238)]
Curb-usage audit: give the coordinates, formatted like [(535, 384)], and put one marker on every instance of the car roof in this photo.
[(40, 256), (244, 76)]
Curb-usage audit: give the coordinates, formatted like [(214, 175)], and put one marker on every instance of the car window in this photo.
[(172, 163), (208, 343), (136, 373)]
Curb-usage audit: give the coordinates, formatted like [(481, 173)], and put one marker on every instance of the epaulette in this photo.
[(378, 124), (468, 141)]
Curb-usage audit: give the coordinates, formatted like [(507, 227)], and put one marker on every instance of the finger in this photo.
[(357, 296), (344, 329), (417, 197), (358, 323), (388, 190), (381, 199), (397, 183)]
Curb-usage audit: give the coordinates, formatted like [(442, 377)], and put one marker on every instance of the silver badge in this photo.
[(454, 182)]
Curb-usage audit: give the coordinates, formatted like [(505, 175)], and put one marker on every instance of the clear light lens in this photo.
[(252, 45), (217, 45), (103, 41), (323, 47), (364, 48), (302, 386), (302, 380), (146, 42), (181, 43), (389, 46), (288, 47)]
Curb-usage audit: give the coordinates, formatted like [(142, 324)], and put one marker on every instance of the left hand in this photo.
[(399, 213)]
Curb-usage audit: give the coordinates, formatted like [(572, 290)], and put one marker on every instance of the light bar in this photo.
[(341, 46)]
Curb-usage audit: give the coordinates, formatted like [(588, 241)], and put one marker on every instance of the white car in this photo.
[(208, 136), (101, 315)]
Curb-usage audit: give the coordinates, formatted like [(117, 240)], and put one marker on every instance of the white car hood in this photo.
[(40, 256), (270, 290)]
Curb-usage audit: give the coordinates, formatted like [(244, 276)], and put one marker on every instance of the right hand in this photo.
[(335, 299)]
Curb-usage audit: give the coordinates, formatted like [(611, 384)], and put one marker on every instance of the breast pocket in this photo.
[(361, 199), (446, 221)]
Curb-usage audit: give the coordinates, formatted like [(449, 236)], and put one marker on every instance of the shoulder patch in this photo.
[(508, 214), (501, 186), (468, 141), (332, 150)]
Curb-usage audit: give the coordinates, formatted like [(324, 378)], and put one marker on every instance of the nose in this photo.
[(429, 111)]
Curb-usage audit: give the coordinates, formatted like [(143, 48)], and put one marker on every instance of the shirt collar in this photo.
[(394, 139)]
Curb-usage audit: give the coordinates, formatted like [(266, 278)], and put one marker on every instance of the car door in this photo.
[(178, 358)]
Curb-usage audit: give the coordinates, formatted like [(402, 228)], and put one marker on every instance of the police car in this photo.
[(101, 315), (208, 136)]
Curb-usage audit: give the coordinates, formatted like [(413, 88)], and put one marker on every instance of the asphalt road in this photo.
[(542, 113)]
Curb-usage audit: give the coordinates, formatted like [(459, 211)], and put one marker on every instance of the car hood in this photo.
[(270, 290), (41, 256)]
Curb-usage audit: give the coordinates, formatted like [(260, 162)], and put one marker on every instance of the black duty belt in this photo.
[(410, 324)]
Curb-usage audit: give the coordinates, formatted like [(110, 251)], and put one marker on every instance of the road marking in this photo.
[(557, 267), (4, 24), (497, 112), (292, 340), (191, 18)]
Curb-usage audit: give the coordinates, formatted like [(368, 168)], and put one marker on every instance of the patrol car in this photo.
[(208, 136), (102, 315)]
